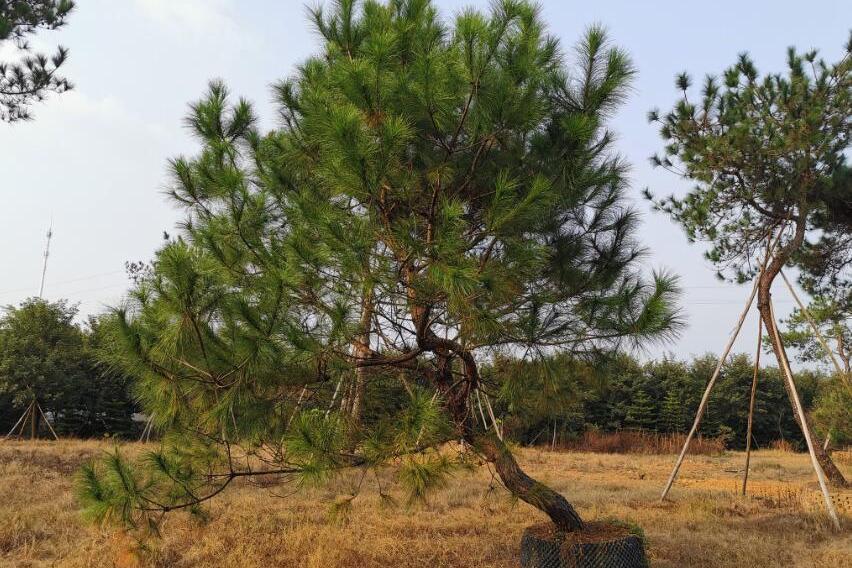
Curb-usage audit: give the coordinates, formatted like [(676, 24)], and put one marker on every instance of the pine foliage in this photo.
[(435, 193), (33, 75)]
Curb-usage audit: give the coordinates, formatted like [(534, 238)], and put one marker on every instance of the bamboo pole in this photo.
[(815, 329), (491, 414), (334, 397), (298, 405), (46, 421), (751, 402), (481, 412), (703, 405), (20, 420), (785, 364), (148, 425)]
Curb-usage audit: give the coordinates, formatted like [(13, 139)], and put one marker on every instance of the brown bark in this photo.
[(456, 396), (540, 496), (34, 419), (834, 475), (362, 351)]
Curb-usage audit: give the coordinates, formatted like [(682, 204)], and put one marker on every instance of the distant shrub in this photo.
[(642, 442)]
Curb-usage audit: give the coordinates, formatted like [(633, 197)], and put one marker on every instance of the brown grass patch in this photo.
[(705, 524), (639, 442)]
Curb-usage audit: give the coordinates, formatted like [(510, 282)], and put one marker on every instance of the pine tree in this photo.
[(672, 413), (46, 357), (765, 153), (30, 78), (641, 412), (436, 193)]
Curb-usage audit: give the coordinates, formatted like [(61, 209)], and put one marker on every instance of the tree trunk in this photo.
[(34, 417), (361, 350), (835, 477), (525, 487)]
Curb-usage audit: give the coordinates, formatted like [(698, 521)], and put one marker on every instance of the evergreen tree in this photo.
[(32, 76), (40, 355), (436, 194), (832, 317), (641, 413), (45, 357), (832, 412), (765, 154), (100, 402), (672, 416)]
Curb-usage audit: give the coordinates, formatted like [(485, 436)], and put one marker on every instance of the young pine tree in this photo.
[(764, 153), (436, 194), (672, 415)]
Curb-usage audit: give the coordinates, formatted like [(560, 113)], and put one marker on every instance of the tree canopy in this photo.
[(435, 194), (767, 154), (47, 358), (33, 75)]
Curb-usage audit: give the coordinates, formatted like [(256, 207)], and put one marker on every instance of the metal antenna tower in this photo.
[(46, 255)]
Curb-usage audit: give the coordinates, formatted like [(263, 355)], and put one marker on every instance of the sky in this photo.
[(94, 160)]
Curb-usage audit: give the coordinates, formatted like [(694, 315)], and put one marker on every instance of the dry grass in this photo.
[(640, 442), (706, 524)]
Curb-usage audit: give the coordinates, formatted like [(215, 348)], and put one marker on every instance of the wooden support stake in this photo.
[(491, 414), (334, 397), (751, 402), (785, 364), (481, 413), (703, 405), (298, 405), (46, 421), (815, 329), (20, 420)]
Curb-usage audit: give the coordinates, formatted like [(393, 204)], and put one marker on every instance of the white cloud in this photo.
[(198, 18)]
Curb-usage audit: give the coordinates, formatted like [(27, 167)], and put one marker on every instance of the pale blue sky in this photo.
[(95, 158)]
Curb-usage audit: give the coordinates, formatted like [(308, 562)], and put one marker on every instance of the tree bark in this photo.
[(540, 496), (361, 350), (834, 475), (457, 400), (34, 419)]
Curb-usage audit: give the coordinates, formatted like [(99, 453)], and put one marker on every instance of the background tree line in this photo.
[(46, 356), (563, 397)]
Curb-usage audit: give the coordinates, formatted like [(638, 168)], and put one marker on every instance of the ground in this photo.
[(705, 523)]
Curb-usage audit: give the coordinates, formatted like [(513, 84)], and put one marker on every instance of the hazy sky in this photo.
[(94, 159)]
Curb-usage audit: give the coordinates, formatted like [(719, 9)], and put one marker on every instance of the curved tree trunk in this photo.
[(834, 475), (527, 489)]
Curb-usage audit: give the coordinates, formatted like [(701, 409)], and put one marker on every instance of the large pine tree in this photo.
[(435, 194), (767, 155)]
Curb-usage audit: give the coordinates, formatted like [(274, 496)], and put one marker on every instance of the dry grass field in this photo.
[(705, 524)]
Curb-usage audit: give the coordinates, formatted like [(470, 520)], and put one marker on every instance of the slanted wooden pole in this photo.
[(33, 422), (481, 412), (751, 402), (298, 405), (491, 414), (816, 330), (334, 397), (146, 431), (20, 421), (788, 374), (46, 421), (703, 405)]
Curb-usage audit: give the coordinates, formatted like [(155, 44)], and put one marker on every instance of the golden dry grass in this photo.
[(781, 523)]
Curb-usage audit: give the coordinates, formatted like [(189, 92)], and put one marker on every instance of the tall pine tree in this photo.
[(766, 154), (436, 194)]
